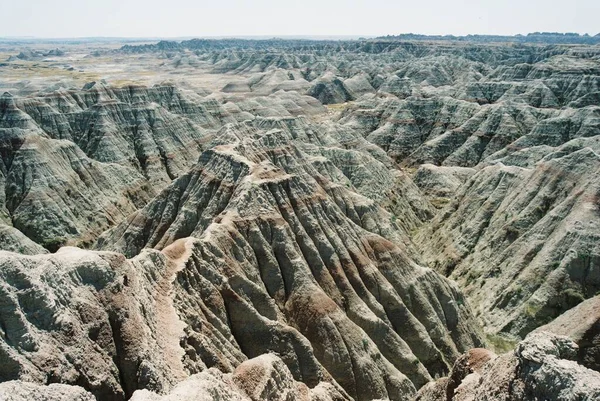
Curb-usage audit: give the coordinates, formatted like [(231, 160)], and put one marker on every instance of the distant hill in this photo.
[(535, 37)]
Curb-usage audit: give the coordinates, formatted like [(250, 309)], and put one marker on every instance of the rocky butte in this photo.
[(401, 218)]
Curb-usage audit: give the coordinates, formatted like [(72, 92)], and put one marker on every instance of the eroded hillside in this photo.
[(298, 219)]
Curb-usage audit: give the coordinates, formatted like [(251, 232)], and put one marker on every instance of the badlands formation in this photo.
[(386, 219)]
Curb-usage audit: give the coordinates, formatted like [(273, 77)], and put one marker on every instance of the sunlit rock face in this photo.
[(311, 220), (543, 366)]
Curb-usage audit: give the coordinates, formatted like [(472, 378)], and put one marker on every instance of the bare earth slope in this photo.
[(297, 257), (293, 219)]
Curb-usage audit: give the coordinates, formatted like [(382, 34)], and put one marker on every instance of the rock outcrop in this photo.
[(13, 240), (54, 194), (265, 377), (114, 325), (582, 325), (23, 391), (438, 183), (89, 319), (273, 219), (447, 131), (542, 367), (330, 89), (522, 242), (308, 253)]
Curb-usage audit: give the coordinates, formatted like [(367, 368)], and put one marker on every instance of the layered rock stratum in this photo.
[(287, 219)]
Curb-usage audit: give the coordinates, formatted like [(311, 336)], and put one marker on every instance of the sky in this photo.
[(200, 18)]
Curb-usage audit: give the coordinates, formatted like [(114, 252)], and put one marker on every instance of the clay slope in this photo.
[(286, 233), (288, 254), (87, 319), (76, 163), (262, 378), (522, 242), (14, 240), (558, 361), (214, 302), (452, 132), (582, 325), (190, 204), (107, 326), (53, 193), (156, 131)]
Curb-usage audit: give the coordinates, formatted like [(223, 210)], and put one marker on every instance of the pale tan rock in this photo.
[(543, 366), (265, 377), (23, 391), (582, 325)]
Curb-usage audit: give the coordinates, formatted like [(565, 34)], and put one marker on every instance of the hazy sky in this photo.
[(176, 18)]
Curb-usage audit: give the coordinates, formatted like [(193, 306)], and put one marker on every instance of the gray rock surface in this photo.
[(114, 325), (322, 253), (330, 89), (23, 391), (265, 377), (274, 218), (13, 240), (88, 158), (439, 183), (582, 325), (90, 319), (542, 367), (522, 242)]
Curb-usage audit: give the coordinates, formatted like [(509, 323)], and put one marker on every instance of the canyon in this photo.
[(396, 218)]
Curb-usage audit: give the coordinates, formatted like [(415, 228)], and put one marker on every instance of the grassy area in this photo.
[(35, 69), (501, 344), (337, 106), (409, 170), (439, 202)]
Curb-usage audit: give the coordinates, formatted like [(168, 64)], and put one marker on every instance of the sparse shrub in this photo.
[(512, 233), (554, 265), (531, 310), (573, 296), (517, 290), (501, 343), (54, 244)]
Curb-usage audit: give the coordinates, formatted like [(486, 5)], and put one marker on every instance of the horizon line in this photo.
[(275, 36)]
